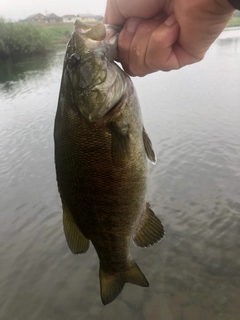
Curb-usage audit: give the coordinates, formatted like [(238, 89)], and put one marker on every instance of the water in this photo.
[(192, 117)]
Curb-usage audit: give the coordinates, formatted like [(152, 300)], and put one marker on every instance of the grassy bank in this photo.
[(57, 34), (22, 39), (19, 39), (234, 22)]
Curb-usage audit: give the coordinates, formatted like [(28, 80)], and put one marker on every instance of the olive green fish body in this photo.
[(101, 151)]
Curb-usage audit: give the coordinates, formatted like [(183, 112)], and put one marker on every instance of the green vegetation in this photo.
[(235, 20), (57, 34), (18, 39)]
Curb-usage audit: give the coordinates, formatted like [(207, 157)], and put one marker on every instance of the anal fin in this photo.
[(149, 231), (76, 241)]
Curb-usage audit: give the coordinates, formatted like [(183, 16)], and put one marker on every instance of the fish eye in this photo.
[(74, 60)]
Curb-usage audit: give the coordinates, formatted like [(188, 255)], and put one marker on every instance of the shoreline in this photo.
[(232, 28)]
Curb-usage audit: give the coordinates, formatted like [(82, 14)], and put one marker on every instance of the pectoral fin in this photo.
[(148, 147), (120, 143), (149, 231), (75, 239)]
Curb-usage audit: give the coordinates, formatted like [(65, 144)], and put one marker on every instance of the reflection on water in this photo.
[(22, 69), (192, 116)]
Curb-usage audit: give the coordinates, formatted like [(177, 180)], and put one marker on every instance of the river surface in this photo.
[(193, 118)]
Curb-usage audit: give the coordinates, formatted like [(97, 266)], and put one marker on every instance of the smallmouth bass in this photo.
[(101, 151)]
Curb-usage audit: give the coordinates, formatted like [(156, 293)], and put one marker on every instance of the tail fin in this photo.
[(112, 284)]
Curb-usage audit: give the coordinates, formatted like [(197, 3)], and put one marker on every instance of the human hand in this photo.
[(165, 34)]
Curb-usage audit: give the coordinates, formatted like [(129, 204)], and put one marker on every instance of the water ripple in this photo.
[(192, 117)]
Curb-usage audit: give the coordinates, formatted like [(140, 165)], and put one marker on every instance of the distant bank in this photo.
[(235, 20), (39, 38)]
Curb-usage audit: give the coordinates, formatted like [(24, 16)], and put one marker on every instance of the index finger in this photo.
[(117, 11)]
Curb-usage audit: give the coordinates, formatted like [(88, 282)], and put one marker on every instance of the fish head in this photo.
[(97, 83), (86, 65)]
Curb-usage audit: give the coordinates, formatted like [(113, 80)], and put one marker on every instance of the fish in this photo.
[(101, 151)]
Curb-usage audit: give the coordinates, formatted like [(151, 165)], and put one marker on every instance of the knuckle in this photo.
[(138, 70), (124, 41)]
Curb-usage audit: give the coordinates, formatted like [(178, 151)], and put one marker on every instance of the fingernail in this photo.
[(132, 25), (171, 20)]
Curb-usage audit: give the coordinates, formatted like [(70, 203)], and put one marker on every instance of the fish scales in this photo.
[(101, 161)]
